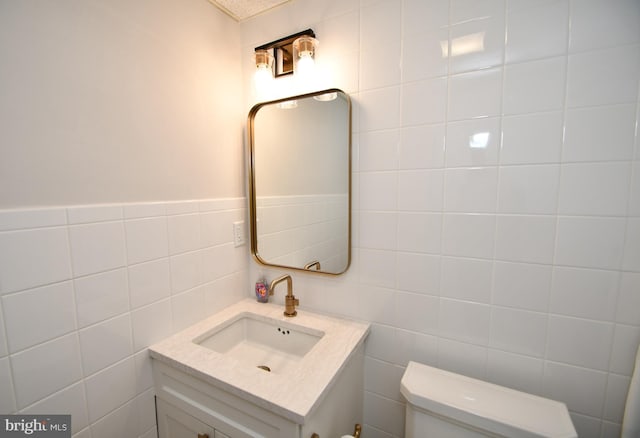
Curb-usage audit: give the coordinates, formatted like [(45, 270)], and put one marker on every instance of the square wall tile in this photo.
[(589, 129), (420, 190), (70, 400), (596, 242), (522, 373), (184, 233), (529, 239), (466, 279), (596, 24), (379, 150), (377, 268), (51, 306), (518, 331), (380, 71), (521, 285), (382, 15), (45, 369), (585, 293), (598, 189), (532, 138), (471, 190), (464, 321), (33, 258), (534, 86), (97, 247), (105, 343), (604, 77), (467, 10), (421, 147), (384, 414), (524, 39), (579, 342), (186, 271), (122, 421), (418, 15), (377, 304), (475, 94), (187, 308), (476, 45), (416, 312), (469, 235), (378, 230), (378, 191), (529, 189), (423, 102), (383, 378), (462, 358), (379, 109), (216, 227), (151, 324), (432, 61), (581, 389), (420, 232), (473, 142), (101, 296), (110, 388), (419, 273), (149, 282), (147, 239)]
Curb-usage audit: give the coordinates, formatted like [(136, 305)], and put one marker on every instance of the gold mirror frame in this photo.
[(253, 208)]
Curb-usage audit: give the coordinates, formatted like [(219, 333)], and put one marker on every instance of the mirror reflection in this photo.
[(300, 182)]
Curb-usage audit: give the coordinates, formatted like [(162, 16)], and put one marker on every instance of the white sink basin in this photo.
[(261, 341)]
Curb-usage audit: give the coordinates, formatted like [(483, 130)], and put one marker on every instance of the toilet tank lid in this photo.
[(483, 405)]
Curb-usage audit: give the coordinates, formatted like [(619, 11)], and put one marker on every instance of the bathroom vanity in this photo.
[(249, 371)]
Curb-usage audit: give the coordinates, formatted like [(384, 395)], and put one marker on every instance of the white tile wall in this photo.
[(74, 331), (497, 194)]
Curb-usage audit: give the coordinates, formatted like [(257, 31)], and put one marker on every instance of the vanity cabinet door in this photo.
[(174, 423)]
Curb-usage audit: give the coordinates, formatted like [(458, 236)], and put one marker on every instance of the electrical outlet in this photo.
[(238, 233)]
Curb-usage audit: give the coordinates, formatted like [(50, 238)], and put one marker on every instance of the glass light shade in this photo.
[(263, 76), (304, 52)]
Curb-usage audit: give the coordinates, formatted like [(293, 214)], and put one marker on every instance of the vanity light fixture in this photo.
[(283, 52)]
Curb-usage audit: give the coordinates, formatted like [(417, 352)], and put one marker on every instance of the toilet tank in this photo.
[(445, 404)]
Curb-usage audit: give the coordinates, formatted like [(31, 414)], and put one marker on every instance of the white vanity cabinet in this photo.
[(188, 407), (203, 391)]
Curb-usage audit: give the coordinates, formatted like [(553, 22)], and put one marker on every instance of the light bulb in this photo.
[(306, 65), (262, 77)]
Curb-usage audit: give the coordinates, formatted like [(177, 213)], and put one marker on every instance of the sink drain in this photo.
[(264, 367)]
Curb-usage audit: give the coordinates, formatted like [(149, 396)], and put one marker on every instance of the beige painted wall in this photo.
[(117, 101)]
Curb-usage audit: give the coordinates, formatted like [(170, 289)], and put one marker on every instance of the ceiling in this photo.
[(244, 9)]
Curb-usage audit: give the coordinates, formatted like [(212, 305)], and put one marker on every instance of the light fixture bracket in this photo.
[(283, 52)]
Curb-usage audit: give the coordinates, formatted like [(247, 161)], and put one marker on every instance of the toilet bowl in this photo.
[(445, 404)]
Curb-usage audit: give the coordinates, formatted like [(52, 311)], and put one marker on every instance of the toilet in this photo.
[(444, 404)]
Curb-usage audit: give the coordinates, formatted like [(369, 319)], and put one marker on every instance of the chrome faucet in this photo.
[(290, 302)]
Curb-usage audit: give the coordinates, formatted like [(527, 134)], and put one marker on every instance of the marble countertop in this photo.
[(294, 395)]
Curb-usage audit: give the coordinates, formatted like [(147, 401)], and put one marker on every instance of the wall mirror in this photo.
[(300, 182)]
